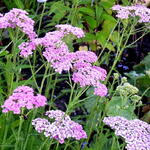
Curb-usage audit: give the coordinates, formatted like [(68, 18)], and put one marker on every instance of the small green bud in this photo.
[(135, 98), (140, 103), (123, 80), (116, 76)]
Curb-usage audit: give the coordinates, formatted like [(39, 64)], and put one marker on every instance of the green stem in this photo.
[(120, 51), (53, 90), (44, 143), (19, 131), (92, 115), (57, 146), (41, 17), (6, 131), (70, 105), (29, 129), (43, 80), (33, 75), (107, 41)]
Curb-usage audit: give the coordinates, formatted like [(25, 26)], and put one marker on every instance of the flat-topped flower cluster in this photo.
[(135, 132), (140, 11), (23, 97), (61, 128), (18, 18), (56, 51)]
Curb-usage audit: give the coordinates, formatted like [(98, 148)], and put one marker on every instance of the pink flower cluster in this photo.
[(135, 132), (140, 11), (18, 18), (53, 43), (61, 128), (56, 51), (88, 75), (23, 97), (67, 29), (58, 55)]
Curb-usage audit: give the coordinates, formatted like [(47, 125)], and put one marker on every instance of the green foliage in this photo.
[(117, 107), (104, 142), (22, 4), (140, 77)]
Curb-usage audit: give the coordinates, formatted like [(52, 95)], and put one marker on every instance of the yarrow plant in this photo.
[(47, 58), (23, 97), (61, 128), (135, 132), (57, 52), (18, 18), (140, 11), (58, 55), (52, 42)]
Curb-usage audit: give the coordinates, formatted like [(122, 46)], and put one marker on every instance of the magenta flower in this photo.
[(135, 132), (61, 128), (23, 97)]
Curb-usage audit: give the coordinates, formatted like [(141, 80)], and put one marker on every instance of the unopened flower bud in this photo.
[(124, 80), (116, 76)]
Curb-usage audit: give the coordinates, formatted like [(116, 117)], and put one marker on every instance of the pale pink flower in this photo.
[(23, 97), (61, 128)]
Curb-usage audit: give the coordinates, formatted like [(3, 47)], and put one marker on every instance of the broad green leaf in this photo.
[(19, 4), (115, 107), (99, 11), (101, 38), (3, 53), (87, 11), (126, 2), (108, 26), (91, 21), (105, 144), (115, 37), (139, 68), (143, 83), (110, 47), (89, 37), (107, 6), (84, 2), (59, 9), (108, 17), (146, 61)]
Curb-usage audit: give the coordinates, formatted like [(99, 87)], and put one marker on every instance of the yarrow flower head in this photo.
[(67, 29), (127, 89), (61, 128), (87, 75), (18, 18), (140, 11), (135, 132), (52, 41), (23, 97)]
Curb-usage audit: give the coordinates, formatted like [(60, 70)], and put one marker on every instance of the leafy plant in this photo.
[(140, 76)]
